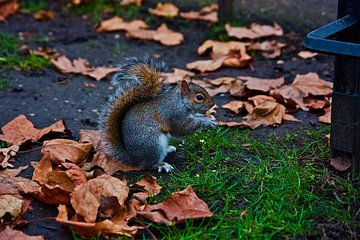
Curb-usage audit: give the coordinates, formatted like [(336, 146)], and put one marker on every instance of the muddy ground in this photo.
[(46, 95)]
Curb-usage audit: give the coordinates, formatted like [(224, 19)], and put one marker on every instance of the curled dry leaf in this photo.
[(255, 31), (163, 35), (177, 75), (234, 106), (150, 185), (113, 226), (270, 49), (7, 154), (238, 88), (10, 173), (221, 81), (192, 15), (118, 24), (178, 207), (307, 54), (262, 84), (8, 7), (316, 103), (91, 136), (20, 130), (340, 164), (11, 234), (86, 197), (42, 15), (109, 165), (81, 66), (61, 150), (165, 10), (129, 2), (220, 49), (206, 65), (326, 118)]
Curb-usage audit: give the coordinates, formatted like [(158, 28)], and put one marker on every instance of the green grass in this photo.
[(31, 6), (11, 55), (4, 84), (281, 183), (96, 9)]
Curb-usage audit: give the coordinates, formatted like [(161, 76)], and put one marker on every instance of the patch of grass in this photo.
[(4, 84), (97, 8), (31, 6), (3, 144), (260, 188), (120, 48), (10, 54)]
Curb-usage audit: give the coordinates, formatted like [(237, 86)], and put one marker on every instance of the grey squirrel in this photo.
[(140, 118)]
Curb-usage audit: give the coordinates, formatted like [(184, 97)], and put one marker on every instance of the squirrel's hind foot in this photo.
[(165, 166), (171, 149)]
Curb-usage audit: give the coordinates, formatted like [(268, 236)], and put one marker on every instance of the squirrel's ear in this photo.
[(184, 87)]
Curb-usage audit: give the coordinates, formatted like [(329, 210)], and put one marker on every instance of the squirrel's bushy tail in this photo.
[(138, 79)]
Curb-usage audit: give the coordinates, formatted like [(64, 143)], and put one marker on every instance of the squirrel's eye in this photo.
[(199, 97)]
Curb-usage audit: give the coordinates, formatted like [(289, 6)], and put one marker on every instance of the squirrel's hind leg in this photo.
[(165, 149)]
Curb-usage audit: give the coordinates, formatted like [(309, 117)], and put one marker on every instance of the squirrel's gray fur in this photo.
[(146, 126)]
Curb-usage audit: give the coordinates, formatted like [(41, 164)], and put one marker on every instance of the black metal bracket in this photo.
[(318, 39)]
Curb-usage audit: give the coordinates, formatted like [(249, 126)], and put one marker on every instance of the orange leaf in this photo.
[(7, 8), (255, 31), (326, 118), (90, 136), (20, 130), (234, 106), (150, 185), (262, 84), (165, 10), (206, 65), (307, 54), (177, 75), (178, 207), (44, 15), (129, 2), (86, 197), (118, 24), (271, 49)]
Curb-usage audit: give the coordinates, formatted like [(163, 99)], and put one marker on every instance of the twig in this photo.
[(147, 228)]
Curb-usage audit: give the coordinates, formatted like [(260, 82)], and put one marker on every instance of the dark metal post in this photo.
[(225, 12)]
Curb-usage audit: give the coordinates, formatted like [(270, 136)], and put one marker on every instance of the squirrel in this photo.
[(138, 121)]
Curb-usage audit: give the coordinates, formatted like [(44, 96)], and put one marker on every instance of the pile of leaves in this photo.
[(89, 199)]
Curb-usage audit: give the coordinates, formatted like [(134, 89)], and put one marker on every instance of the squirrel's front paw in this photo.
[(210, 122), (165, 166)]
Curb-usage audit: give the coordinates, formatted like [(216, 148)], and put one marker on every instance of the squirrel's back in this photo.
[(138, 79)]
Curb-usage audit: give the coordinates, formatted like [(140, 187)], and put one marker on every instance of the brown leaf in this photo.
[(216, 91), (221, 81), (271, 49), (234, 106), (311, 83), (109, 164), (92, 229), (42, 15), (340, 164), (86, 197), (41, 170), (255, 31), (177, 76), (91, 136), (307, 54), (230, 124), (237, 58), (11, 234), (8, 7), (129, 2), (61, 150), (220, 49), (118, 24), (9, 173), (315, 103), (11, 205), (178, 207), (165, 10), (150, 185), (262, 84), (289, 117), (206, 65), (20, 130), (7, 154), (207, 13), (326, 118), (81, 66), (291, 96), (237, 88), (211, 8)]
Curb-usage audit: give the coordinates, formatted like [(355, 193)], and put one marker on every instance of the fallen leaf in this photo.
[(215, 91), (11, 205), (340, 164), (177, 208), (220, 49), (192, 15), (42, 15), (81, 66), (92, 229), (150, 185), (237, 88), (20, 130), (165, 10), (8, 7), (109, 165), (326, 118), (129, 2), (255, 31), (118, 24), (262, 84), (91, 136), (270, 49), (230, 124), (316, 103), (86, 197), (206, 65), (9, 173), (61, 150), (211, 8), (307, 54), (234, 106), (7, 154), (177, 75), (11, 234), (289, 117), (221, 81)]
